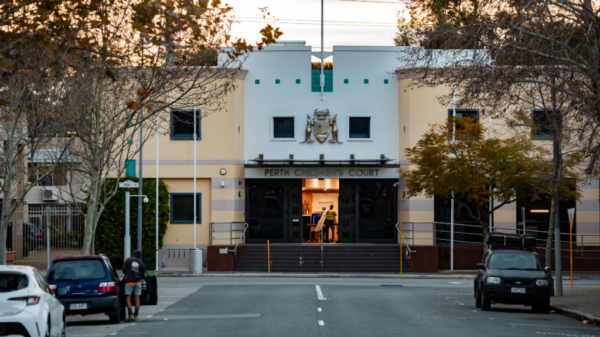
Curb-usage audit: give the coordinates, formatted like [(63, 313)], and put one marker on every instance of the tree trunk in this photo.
[(90, 216), (6, 214), (549, 242), (485, 229)]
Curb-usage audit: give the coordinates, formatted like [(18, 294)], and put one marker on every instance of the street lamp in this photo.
[(127, 236)]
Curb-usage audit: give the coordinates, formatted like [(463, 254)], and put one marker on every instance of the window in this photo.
[(297, 81), (462, 113), (385, 81), (256, 81), (277, 81), (316, 80), (345, 81), (360, 127), (130, 169), (182, 124), (541, 124), (58, 177), (366, 81), (182, 207), (283, 127), (78, 270)]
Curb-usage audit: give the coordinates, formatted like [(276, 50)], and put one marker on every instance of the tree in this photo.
[(524, 56), (473, 168)]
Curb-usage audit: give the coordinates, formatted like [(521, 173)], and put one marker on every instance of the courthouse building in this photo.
[(281, 151)]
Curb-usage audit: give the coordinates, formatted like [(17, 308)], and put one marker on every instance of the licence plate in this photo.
[(78, 306), (518, 290)]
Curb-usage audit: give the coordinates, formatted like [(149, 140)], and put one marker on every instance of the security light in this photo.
[(146, 200)]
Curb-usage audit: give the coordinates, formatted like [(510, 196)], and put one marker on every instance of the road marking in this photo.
[(178, 317), (563, 334), (321, 323), (455, 282), (552, 326), (319, 309), (461, 303), (319, 293), (474, 310)]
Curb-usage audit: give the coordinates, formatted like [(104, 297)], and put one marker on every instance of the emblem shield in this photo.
[(321, 130)]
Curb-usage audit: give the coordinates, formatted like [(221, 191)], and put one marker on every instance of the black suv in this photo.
[(512, 276), (90, 285)]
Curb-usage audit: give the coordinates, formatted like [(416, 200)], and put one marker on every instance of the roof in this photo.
[(512, 250), (80, 257), (16, 268)]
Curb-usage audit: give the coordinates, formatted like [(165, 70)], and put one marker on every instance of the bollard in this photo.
[(196, 262)]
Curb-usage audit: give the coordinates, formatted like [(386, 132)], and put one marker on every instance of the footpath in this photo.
[(582, 303)]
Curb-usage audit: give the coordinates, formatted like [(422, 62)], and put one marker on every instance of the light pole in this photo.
[(127, 236), (156, 192), (452, 199)]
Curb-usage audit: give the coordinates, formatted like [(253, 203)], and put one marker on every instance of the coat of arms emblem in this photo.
[(321, 126)]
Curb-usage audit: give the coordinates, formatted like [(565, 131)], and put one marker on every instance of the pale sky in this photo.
[(352, 22)]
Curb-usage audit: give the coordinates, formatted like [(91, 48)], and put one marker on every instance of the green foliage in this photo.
[(111, 226), (464, 171)]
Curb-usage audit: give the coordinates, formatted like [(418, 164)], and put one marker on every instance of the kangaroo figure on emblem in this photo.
[(308, 130), (334, 130)]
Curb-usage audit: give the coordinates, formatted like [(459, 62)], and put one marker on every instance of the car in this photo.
[(27, 305), (512, 276), (89, 284)]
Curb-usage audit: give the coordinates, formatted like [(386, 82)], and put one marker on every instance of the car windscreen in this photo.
[(77, 270), (12, 282), (514, 262)]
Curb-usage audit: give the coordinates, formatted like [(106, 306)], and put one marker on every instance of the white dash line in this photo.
[(319, 309), (321, 323), (474, 310), (319, 293), (461, 303)]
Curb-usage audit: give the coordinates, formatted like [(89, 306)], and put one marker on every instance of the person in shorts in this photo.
[(134, 271), (330, 224)]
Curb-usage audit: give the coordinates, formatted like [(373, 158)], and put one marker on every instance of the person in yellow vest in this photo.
[(330, 224)]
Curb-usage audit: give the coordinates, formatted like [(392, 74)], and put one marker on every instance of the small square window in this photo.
[(366, 81), (462, 113), (182, 208), (298, 81), (541, 124), (283, 127), (360, 127), (256, 81), (277, 81), (346, 81), (385, 81), (182, 124)]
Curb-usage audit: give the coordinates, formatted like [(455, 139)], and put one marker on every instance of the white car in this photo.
[(27, 304)]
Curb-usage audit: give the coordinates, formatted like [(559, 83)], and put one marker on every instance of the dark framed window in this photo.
[(360, 127), (283, 127), (182, 208), (541, 124), (182, 124), (462, 113)]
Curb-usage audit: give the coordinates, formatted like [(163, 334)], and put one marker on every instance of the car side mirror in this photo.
[(547, 270), (481, 266)]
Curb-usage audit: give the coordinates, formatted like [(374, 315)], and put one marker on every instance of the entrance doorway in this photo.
[(319, 196)]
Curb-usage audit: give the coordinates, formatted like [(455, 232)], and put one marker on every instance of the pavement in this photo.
[(581, 302), (267, 306)]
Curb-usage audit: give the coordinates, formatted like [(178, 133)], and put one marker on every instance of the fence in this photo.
[(40, 233), (430, 234)]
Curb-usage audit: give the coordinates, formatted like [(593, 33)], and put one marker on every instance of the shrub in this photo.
[(111, 227)]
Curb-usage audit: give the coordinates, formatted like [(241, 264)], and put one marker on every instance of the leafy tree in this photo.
[(464, 169)]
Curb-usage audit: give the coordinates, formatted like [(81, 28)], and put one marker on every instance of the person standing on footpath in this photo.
[(134, 271)]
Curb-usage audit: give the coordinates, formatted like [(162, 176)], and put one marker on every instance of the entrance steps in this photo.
[(336, 258)]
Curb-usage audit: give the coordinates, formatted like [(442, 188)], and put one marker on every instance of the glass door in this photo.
[(347, 206)]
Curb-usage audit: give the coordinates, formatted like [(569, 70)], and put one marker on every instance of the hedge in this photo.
[(111, 225)]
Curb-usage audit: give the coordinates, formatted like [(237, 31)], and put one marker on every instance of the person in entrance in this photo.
[(330, 224), (134, 271)]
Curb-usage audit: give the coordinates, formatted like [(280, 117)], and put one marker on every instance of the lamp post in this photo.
[(452, 199), (127, 236)]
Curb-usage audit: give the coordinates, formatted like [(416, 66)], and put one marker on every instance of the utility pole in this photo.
[(322, 77), (452, 199), (557, 115)]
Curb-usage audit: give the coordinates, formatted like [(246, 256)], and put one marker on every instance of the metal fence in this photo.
[(40, 233), (430, 233)]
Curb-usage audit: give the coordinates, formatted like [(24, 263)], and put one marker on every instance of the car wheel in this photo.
[(542, 308), (123, 313), (115, 318), (477, 298), (486, 304)]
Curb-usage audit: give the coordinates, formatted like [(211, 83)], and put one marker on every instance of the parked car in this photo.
[(90, 285), (28, 307), (33, 236), (512, 276)]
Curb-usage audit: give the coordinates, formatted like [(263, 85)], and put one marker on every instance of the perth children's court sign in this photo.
[(331, 173)]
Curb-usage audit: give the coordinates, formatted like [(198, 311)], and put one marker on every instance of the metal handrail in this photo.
[(230, 230), (240, 240), (402, 237), (179, 250)]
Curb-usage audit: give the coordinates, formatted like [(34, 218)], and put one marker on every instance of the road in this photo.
[(327, 307)]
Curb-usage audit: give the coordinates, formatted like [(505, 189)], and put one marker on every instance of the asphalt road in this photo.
[(327, 307)]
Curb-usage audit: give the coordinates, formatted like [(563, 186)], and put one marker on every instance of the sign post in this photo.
[(571, 215), (127, 236)]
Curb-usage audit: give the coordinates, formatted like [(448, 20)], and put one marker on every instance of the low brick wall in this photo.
[(216, 261), (10, 257), (424, 260)]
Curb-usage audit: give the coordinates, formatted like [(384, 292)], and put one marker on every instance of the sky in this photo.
[(347, 22)]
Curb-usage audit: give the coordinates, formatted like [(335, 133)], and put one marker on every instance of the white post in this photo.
[(48, 238), (524, 221), (452, 199), (195, 133), (491, 199), (322, 77), (127, 236), (156, 192)]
